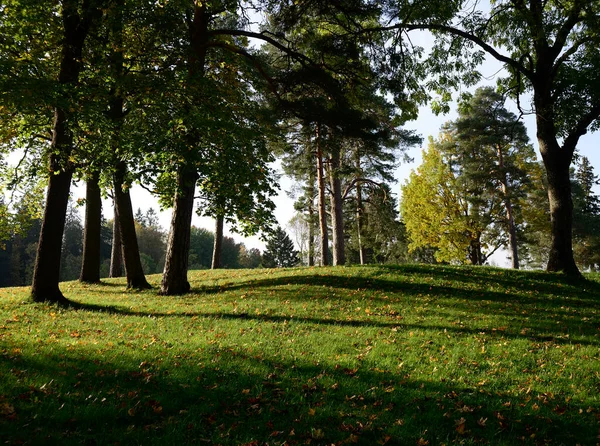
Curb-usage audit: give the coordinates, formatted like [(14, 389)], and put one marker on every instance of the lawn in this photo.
[(410, 355)]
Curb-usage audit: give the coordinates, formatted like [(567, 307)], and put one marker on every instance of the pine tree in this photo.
[(280, 252)]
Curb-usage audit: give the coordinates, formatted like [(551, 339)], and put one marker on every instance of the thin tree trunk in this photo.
[(311, 220), (322, 205), (174, 281), (116, 253), (359, 224), (46, 275), (218, 244), (512, 227), (337, 216), (131, 253), (90, 268)]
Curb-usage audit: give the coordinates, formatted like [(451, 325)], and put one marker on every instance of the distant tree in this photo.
[(72, 246), (280, 252), (201, 248), (249, 258), (437, 213), (151, 241)]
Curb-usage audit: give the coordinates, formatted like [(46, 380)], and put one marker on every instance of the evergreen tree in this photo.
[(280, 252)]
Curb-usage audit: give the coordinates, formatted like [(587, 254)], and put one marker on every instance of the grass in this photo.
[(356, 355)]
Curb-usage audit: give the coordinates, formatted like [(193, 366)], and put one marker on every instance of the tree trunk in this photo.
[(131, 253), (322, 205), (218, 244), (337, 215), (44, 287), (46, 271), (174, 281), (557, 161), (90, 268), (116, 253), (311, 220), (510, 219), (561, 216), (359, 224)]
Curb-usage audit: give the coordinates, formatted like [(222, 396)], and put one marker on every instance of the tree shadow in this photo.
[(234, 396)]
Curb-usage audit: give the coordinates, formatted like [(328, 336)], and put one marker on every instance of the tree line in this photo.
[(195, 99)]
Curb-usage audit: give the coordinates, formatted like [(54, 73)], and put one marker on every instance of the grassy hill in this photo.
[(355, 355)]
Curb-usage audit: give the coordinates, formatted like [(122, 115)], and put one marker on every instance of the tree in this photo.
[(549, 49), (280, 252), (250, 258), (489, 152), (437, 215), (77, 20)]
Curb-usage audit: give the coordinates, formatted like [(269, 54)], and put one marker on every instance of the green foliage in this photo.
[(280, 251), (433, 210), (362, 355)]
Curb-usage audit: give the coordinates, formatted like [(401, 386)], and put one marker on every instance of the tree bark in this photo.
[(174, 281), (218, 244), (337, 214), (116, 253), (322, 205), (90, 268), (557, 161), (131, 253), (561, 216), (46, 275)]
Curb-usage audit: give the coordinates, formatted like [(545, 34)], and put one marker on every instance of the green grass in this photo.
[(356, 355)]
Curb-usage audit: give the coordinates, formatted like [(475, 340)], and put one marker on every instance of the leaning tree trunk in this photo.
[(322, 205), (46, 273), (174, 279), (131, 253), (218, 244), (90, 268), (337, 216), (116, 253)]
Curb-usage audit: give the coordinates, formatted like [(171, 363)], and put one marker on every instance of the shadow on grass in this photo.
[(230, 396)]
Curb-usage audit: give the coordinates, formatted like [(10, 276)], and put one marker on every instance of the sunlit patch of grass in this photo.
[(389, 355)]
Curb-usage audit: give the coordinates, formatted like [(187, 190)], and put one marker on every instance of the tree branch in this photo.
[(460, 33), (570, 142)]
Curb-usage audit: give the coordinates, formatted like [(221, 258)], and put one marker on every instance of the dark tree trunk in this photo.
[(131, 253), (475, 255), (90, 268), (322, 205), (218, 245), (557, 161), (46, 270), (561, 214), (337, 215), (174, 281), (44, 286), (116, 253)]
